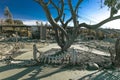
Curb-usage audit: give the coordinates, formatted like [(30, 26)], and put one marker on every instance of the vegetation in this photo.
[(18, 22), (63, 38), (9, 17), (7, 13), (10, 21), (100, 34), (115, 53)]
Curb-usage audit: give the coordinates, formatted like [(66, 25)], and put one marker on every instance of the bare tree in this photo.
[(8, 15), (63, 38), (115, 54)]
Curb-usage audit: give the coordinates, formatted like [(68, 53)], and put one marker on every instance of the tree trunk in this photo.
[(117, 49), (63, 41)]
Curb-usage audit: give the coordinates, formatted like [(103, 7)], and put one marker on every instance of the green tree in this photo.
[(114, 6)]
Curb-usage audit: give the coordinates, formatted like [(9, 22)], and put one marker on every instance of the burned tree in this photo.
[(115, 54), (63, 38), (9, 19)]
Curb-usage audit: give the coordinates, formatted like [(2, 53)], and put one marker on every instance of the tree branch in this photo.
[(59, 10), (78, 3), (68, 21), (95, 26), (50, 18), (73, 13)]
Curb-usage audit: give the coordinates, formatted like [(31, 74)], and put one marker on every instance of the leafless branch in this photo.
[(78, 4), (50, 18), (59, 10), (95, 26)]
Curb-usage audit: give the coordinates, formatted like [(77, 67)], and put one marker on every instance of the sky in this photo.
[(90, 11)]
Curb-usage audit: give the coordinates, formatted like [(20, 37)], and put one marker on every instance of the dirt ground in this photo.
[(50, 72)]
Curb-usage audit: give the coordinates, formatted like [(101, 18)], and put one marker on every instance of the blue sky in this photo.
[(22, 9), (29, 11)]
